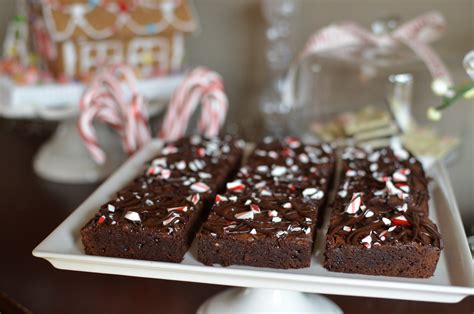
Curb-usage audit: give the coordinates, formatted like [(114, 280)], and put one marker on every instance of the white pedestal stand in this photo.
[(258, 300), (64, 157)]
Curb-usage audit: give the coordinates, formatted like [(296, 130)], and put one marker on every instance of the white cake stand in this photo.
[(273, 290), (64, 158)]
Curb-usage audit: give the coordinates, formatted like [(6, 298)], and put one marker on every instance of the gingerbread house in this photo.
[(75, 37)]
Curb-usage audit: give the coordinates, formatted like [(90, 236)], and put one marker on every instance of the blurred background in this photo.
[(231, 41)]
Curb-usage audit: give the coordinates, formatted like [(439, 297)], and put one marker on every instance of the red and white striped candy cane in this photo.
[(106, 100), (416, 34), (200, 85)]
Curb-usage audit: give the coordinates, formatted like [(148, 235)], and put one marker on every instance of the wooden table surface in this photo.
[(31, 208)]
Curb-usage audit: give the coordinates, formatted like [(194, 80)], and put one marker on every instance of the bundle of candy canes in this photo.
[(106, 100), (201, 85), (416, 34)]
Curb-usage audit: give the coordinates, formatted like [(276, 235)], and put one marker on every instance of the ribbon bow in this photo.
[(416, 34)]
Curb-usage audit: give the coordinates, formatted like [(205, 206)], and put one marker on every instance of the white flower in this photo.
[(434, 114), (441, 87)]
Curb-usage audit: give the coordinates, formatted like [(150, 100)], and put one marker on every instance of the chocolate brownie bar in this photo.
[(156, 216), (379, 223), (268, 215)]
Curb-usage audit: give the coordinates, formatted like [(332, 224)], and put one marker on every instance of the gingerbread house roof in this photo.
[(103, 19)]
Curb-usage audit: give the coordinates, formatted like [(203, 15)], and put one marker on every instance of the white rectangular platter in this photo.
[(453, 279)]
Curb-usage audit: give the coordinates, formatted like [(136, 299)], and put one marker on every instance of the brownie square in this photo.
[(379, 223), (268, 215), (156, 216)]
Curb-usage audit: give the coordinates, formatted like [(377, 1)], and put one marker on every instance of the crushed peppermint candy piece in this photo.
[(342, 193), (201, 151), (292, 142), (273, 213), (273, 154), (391, 228), (374, 167), (244, 215), (149, 202), (402, 208), (278, 171), (170, 149), (386, 221), (235, 186), (178, 209), (233, 198), (347, 228), (220, 198), (303, 158), (200, 187), (281, 233), (351, 173), (354, 205), (307, 230), (400, 175), (111, 208), (153, 170), (287, 205), (253, 231), (195, 199), (165, 174), (368, 214), (260, 184), (204, 175), (367, 241), (170, 218), (181, 165), (247, 202), (255, 208), (400, 221), (159, 162), (373, 157), (276, 219), (132, 216), (262, 168), (313, 193), (101, 220), (265, 192)]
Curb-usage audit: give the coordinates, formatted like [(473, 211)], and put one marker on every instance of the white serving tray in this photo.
[(453, 279)]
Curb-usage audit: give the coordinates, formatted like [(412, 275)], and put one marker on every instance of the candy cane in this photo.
[(416, 34), (106, 100), (201, 85)]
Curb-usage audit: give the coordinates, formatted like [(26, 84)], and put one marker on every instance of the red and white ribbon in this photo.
[(416, 34), (200, 86), (106, 100)]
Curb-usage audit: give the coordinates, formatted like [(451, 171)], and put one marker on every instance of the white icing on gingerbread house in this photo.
[(75, 37)]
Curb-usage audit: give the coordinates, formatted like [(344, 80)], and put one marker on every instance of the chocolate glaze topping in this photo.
[(172, 186), (277, 194), (382, 199)]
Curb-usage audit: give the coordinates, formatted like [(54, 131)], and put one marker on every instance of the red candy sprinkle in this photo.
[(201, 152), (255, 208), (235, 186), (400, 221), (195, 199), (101, 220)]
